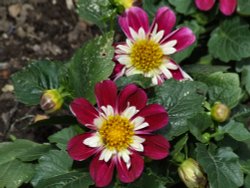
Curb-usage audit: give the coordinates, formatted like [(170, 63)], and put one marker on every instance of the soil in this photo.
[(32, 30)]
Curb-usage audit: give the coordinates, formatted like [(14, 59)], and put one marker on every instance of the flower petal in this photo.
[(135, 18), (184, 36), (155, 115), (78, 150), (128, 175), (106, 93), (155, 146), (131, 95), (84, 112), (179, 74), (101, 171), (205, 4), (227, 7), (165, 20)]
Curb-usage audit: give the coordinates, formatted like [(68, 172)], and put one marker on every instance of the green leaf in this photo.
[(52, 164), (14, 173), (197, 29), (245, 166), (179, 145), (151, 7), (38, 76), (221, 166), (236, 130), (185, 7), (247, 182), (94, 11), (182, 101), (136, 79), (91, 64), (198, 124), (230, 41), (244, 68), (62, 137), (224, 87), (68, 180), (24, 150), (243, 7)]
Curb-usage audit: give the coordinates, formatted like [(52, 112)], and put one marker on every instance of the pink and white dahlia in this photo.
[(147, 48), (121, 132), (227, 7)]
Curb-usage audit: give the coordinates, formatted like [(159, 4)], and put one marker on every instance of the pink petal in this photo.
[(155, 115), (84, 112), (165, 20), (177, 74), (117, 71), (155, 146), (79, 151), (131, 95), (101, 171), (135, 18), (106, 93), (205, 4), (135, 170), (184, 36), (227, 7)]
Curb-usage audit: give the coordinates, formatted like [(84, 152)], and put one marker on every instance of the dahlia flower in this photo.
[(121, 132), (227, 7), (147, 48)]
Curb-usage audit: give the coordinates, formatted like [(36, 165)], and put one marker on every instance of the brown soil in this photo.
[(31, 30)]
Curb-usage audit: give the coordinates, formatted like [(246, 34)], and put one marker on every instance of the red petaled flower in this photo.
[(227, 7), (147, 48), (121, 132)]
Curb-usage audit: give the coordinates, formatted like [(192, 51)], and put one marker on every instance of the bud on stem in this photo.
[(51, 101), (191, 174), (220, 112)]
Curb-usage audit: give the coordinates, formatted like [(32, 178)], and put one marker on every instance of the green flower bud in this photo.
[(51, 101), (191, 174), (123, 3), (206, 137), (220, 112)]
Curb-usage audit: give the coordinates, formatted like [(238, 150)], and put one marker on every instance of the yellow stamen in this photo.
[(146, 55), (116, 132)]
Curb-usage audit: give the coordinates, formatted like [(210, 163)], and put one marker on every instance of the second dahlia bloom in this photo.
[(121, 132), (227, 7), (147, 49)]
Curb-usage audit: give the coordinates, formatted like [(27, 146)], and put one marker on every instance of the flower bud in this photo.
[(51, 101), (123, 3), (191, 174), (220, 112)]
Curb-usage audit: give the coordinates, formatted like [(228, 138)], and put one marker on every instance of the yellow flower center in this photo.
[(125, 3), (146, 55), (116, 132)]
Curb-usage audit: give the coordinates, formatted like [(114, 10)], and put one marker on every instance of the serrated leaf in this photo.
[(52, 164), (94, 11), (91, 64), (182, 101), (69, 180), (236, 130), (223, 87), (247, 182), (244, 68), (62, 137), (38, 76), (221, 166), (14, 173), (243, 7), (136, 79), (24, 150), (185, 7), (230, 41), (198, 124)]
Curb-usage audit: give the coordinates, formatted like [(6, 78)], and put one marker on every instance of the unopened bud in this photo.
[(191, 174), (123, 3), (220, 112), (51, 101)]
